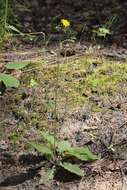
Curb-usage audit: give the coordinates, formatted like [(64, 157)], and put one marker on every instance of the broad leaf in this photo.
[(9, 81), (16, 65), (44, 150), (63, 146), (73, 168), (48, 176), (83, 154), (49, 138)]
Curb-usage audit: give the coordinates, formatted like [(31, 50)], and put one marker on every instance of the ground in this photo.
[(83, 97)]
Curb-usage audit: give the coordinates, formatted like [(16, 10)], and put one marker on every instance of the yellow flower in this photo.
[(65, 23)]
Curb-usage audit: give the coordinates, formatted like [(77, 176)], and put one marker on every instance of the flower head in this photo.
[(65, 23)]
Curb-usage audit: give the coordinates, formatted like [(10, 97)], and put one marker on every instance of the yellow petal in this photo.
[(65, 23)]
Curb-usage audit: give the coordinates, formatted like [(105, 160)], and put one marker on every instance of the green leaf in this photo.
[(49, 138), (48, 176), (83, 154), (33, 83), (103, 30), (63, 146), (44, 150), (73, 168), (13, 28), (16, 65), (9, 81)]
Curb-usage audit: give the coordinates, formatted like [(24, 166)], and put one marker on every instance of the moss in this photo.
[(86, 75), (76, 82), (96, 108), (107, 78)]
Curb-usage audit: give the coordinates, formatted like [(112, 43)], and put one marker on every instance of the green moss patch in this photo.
[(59, 89), (69, 85), (108, 78)]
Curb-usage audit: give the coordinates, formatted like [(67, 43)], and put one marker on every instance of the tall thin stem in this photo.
[(6, 13)]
